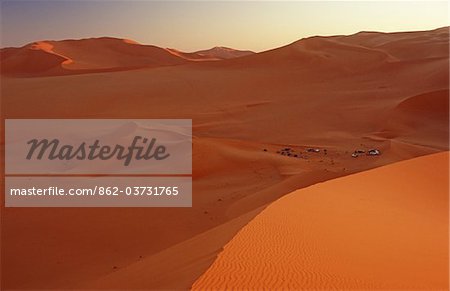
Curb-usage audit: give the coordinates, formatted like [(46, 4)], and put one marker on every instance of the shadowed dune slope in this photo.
[(29, 61), (369, 230), (418, 117)]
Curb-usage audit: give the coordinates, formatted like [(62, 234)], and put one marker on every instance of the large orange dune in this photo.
[(381, 229), (82, 56), (385, 91)]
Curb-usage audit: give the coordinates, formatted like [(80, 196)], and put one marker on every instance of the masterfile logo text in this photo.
[(52, 150), (92, 163)]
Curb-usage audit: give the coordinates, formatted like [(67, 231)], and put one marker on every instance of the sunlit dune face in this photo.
[(382, 229), (130, 41), (42, 45), (67, 62), (49, 48)]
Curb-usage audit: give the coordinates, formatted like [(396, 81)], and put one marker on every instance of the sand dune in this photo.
[(96, 55), (334, 93), (405, 45), (191, 56), (359, 53), (222, 53), (370, 230), (412, 118), (31, 61), (85, 56), (213, 54)]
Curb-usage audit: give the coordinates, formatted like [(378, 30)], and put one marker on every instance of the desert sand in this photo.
[(337, 93), (94, 55), (212, 54), (385, 228)]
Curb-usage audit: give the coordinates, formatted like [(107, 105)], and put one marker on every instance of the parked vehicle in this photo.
[(313, 150), (373, 152)]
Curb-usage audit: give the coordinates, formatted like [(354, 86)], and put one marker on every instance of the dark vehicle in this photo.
[(312, 150)]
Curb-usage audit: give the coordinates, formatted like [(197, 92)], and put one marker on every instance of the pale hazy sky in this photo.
[(194, 25)]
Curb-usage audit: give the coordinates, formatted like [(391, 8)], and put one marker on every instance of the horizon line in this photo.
[(214, 46)]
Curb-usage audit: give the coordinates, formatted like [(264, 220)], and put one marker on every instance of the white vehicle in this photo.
[(373, 152)]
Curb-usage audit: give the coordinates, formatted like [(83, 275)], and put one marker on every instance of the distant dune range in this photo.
[(387, 91), (50, 58)]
